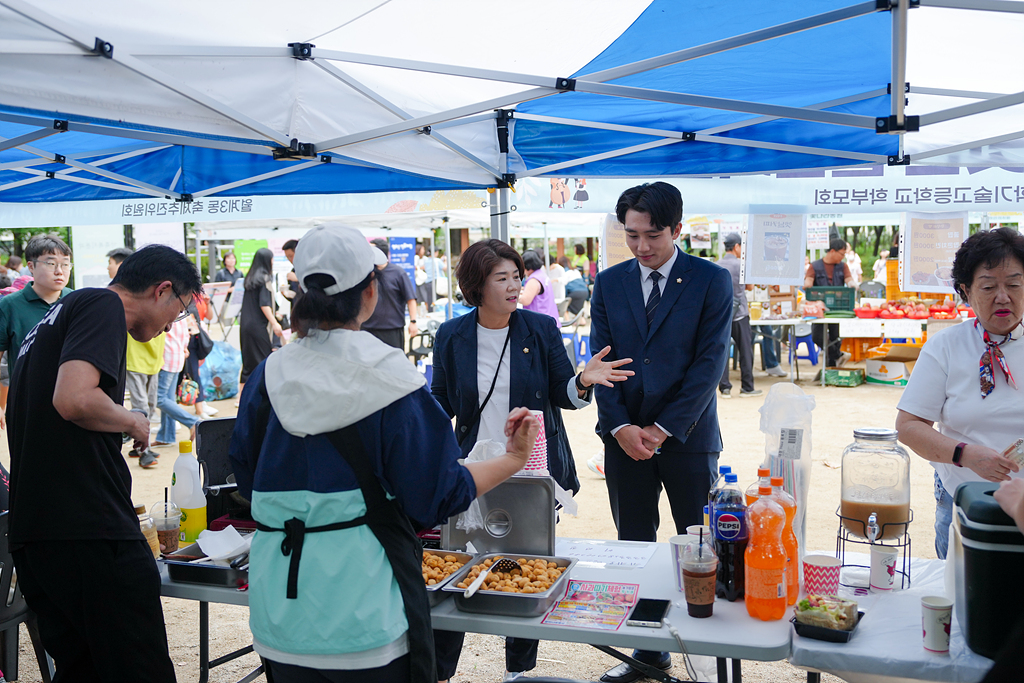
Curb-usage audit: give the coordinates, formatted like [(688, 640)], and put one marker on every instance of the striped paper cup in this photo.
[(821, 574), (539, 455)]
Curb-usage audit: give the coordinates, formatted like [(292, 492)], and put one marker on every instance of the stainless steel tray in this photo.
[(519, 517), (510, 604), (185, 571), (434, 593)]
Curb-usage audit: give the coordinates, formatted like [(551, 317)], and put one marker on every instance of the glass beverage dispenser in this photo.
[(875, 497)]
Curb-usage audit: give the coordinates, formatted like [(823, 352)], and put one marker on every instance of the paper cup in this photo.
[(678, 544), (883, 567), (936, 620), (695, 529), (539, 455), (821, 574)]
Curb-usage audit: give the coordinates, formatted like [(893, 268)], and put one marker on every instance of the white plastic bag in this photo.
[(472, 519), (786, 423)]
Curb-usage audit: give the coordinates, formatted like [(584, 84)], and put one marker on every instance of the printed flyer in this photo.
[(928, 243), (587, 604)]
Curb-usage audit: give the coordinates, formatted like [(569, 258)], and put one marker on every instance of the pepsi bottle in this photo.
[(729, 526)]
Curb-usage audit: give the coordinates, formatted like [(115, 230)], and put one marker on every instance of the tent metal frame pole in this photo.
[(726, 44), (255, 179), (40, 176), (451, 258), (120, 154), (727, 104), (899, 62), (550, 168), (81, 181), (800, 149), (386, 104), (432, 119), (674, 134), (979, 5), (139, 67), (504, 207), (9, 143), (968, 145), (946, 92), (142, 187), (973, 108), (821, 105)]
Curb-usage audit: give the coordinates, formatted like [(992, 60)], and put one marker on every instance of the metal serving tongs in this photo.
[(503, 565)]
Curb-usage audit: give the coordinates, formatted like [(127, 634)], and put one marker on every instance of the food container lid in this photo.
[(699, 556), (140, 510), (979, 517), (875, 434), (162, 509)]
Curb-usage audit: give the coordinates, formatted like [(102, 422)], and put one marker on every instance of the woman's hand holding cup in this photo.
[(522, 429)]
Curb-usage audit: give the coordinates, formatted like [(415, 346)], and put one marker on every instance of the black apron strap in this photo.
[(404, 552), (295, 531)]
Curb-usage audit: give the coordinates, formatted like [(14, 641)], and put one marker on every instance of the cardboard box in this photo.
[(894, 368), (838, 377)]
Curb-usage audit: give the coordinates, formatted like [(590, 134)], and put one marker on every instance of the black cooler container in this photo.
[(988, 550)]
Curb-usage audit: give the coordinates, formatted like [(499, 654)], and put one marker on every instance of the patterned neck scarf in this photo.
[(993, 354)]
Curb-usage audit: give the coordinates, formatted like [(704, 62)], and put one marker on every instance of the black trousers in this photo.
[(393, 337), (577, 298), (100, 619), (834, 342), (744, 339), (520, 653), (634, 487), (395, 672)]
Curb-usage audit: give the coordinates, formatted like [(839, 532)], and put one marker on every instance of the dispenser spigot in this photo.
[(872, 527)]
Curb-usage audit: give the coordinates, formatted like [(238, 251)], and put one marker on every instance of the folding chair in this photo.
[(13, 611)]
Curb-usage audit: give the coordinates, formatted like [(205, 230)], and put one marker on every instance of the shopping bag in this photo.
[(219, 373)]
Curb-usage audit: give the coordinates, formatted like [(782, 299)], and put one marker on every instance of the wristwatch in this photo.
[(412, 321), (958, 453)]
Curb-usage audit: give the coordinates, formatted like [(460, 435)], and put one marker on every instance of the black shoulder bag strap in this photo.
[(463, 433), (387, 522)]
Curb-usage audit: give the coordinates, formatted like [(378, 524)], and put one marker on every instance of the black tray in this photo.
[(821, 633), (206, 574)]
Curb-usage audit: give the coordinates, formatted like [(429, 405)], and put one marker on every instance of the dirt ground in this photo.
[(837, 413)]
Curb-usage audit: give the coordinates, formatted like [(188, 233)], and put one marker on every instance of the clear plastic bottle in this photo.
[(789, 541), (763, 479), (765, 559), (187, 493), (729, 526), (719, 483), (148, 529)]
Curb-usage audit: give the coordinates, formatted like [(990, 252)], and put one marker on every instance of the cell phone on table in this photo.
[(648, 613)]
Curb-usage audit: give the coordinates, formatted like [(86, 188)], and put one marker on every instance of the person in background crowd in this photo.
[(229, 273), (742, 336), (395, 293), (581, 263), (439, 255), (672, 313), (290, 289), (429, 267), (854, 263), (49, 260), (14, 264), (879, 266), (831, 270), (537, 294), (70, 485), (334, 425), (497, 357), (195, 321), (556, 274), (575, 288), (175, 352), (976, 422), (142, 364), (258, 321)]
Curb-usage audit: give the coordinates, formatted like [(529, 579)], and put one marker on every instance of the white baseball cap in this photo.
[(340, 252)]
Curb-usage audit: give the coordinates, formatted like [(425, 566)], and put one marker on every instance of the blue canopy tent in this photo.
[(113, 99)]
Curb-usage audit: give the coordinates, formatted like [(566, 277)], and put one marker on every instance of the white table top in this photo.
[(887, 643)]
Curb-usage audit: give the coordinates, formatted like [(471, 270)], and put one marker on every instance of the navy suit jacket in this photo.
[(678, 361), (539, 374)]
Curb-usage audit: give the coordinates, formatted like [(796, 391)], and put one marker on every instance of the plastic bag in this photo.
[(786, 423), (219, 373), (472, 519)]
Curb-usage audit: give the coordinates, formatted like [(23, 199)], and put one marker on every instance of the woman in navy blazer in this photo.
[(531, 370)]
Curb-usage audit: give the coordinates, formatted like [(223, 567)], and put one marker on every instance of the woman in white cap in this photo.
[(338, 444)]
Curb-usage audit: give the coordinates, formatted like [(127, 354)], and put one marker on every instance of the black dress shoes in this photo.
[(624, 673)]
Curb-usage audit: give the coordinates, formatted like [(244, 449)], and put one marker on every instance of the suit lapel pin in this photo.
[(526, 350), (679, 280)]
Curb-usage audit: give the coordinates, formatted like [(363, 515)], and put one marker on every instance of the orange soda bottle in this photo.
[(751, 494), (789, 541), (765, 559)]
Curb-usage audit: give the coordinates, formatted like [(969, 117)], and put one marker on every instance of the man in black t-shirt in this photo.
[(395, 292), (70, 485)]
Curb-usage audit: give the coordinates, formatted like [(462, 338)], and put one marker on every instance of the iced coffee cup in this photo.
[(168, 525), (700, 566)]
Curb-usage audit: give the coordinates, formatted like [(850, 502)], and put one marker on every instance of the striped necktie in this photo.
[(654, 299)]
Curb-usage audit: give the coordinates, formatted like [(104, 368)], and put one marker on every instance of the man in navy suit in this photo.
[(671, 313)]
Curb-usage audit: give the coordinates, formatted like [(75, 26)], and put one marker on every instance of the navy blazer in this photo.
[(539, 374), (678, 361)]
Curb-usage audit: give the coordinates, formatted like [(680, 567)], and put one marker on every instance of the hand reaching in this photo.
[(598, 371)]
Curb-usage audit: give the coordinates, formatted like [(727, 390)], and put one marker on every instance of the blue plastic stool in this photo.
[(808, 342)]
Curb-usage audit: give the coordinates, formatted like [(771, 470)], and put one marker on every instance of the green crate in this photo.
[(835, 298), (836, 377)]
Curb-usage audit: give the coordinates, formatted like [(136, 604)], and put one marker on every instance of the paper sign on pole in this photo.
[(92, 243), (168, 234), (773, 249), (817, 232), (928, 244), (613, 243), (699, 229)]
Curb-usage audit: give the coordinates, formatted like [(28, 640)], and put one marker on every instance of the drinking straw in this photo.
[(700, 545)]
